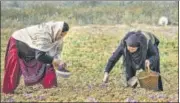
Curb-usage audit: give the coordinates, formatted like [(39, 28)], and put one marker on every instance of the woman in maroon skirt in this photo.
[(34, 52)]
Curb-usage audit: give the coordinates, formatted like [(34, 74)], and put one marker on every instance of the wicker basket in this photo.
[(148, 79)]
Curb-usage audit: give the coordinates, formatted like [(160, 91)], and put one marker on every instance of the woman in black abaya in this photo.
[(139, 50)]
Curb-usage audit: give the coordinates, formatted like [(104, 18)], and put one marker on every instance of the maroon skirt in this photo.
[(33, 72)]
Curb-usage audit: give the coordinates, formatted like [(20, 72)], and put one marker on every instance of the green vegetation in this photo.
[(88, 12), (87, 49)]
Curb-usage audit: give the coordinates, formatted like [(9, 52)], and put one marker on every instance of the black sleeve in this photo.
[(152, 54), (43, 57), (114, 58)]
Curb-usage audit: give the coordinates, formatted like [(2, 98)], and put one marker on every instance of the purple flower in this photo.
[(89, 86), (103, 85), (28, 95), (161, 96), (127, 99), (133, 101), (10, 100), (152, 96), (40, 98), (130, 100), (91, 99)]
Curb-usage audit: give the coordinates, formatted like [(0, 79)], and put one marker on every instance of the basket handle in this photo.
[(148, 69)]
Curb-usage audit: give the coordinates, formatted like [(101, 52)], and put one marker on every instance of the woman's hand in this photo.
[(57, 62), (106, 77), (147, 63)]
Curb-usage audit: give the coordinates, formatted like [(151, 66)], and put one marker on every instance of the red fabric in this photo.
[(13, 72), (49, 80)]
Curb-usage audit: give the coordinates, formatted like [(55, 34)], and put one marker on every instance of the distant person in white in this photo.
[(163, 21)]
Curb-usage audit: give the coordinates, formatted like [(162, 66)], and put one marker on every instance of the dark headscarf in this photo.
[(136, 39), (133, 40)]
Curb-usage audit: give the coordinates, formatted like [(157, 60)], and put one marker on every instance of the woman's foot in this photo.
[(133, 82)]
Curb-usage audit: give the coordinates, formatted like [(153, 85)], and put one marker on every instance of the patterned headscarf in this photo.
[(41, 37)]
